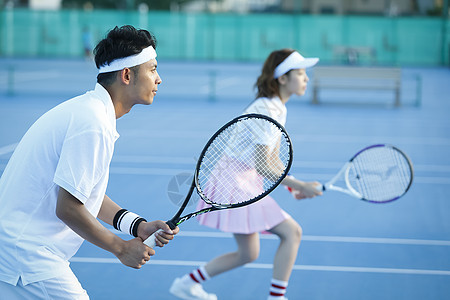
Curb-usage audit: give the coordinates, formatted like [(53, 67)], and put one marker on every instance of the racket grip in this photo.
[(291, 191), (151, 240), (319, 187)]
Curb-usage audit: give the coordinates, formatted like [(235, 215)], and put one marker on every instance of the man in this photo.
[(53, 187)]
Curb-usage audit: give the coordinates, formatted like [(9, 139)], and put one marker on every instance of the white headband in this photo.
[(144, 56), (294, 61)]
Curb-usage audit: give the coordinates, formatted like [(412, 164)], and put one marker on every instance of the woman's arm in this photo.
[(269, 165)]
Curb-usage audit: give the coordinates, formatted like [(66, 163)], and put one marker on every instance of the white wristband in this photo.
[(127, 221)]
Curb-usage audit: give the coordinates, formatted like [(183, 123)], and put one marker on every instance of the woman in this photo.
[(283, 75)]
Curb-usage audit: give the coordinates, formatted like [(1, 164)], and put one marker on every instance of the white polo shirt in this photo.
[(69, 146), (239, 148), (272, 107)]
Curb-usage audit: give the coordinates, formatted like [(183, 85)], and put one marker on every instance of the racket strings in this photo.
[(227, 174), (380, 174)]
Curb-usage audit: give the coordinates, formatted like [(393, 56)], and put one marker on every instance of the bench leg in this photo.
[(397, 97), (315, 99)]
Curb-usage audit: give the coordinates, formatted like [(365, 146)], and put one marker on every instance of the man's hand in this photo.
[(134, 253), (163, 237)]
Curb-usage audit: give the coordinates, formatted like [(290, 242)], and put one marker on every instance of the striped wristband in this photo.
[(127, 221)]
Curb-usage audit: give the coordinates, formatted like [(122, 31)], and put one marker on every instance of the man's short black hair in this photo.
[(120, 42)]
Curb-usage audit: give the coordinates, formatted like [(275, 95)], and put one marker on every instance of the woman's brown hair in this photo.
[(266, 85)]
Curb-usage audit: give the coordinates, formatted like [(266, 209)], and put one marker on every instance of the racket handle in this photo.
[(151, 240), (292, 191), (319, 187)]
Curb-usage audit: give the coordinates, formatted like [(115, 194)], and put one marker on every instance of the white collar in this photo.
[(105, 97)]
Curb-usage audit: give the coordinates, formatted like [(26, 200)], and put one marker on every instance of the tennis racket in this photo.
[(379, 173), (252, 147)]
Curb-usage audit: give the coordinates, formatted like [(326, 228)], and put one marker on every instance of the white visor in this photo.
[(144, 56), (294, 61)]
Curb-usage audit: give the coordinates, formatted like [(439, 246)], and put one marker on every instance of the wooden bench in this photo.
[(356, 78)]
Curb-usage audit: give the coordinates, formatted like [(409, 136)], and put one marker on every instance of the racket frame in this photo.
[(350, 190), (346, 170), (177, 220)]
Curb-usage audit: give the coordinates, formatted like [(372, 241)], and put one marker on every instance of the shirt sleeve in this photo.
[(264, 131), (84, 158)]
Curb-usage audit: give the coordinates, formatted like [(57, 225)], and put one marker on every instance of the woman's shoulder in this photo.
[(262, 105)]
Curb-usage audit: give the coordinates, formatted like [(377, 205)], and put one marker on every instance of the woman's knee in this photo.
[(249, 255), (248, 247), (297, 232), (289, 231)]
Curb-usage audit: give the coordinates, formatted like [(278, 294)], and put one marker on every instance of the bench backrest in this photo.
[(357, 77), (357, 72)]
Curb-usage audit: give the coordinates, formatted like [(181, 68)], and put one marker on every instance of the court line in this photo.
[(429, 141), (180, 160), (316, 238), (317, 176), (328, 139), (192, 161), (163, 262), (299, 164)]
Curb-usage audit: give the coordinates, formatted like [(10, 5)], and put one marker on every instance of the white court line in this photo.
[(147, 171), (316, 238), (318, 176), (139, 159), (342, 139), (191, 161), (171, 160), (162, 262), (327, 139)]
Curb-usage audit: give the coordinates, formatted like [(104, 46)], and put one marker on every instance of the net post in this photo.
[(418, 90), (212, 85), (10, 84)]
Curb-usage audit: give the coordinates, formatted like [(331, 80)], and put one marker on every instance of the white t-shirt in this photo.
[(259, 132), (69, 146), (272, 107)]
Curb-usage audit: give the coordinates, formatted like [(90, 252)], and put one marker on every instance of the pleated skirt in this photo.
[(259, 216)]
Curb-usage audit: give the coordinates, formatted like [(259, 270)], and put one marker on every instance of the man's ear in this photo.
[(125, 76)]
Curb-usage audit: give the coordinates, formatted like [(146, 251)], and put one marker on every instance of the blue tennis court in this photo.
[(350, 249)]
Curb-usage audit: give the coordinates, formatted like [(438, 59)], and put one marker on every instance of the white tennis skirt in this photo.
[(260, 216)]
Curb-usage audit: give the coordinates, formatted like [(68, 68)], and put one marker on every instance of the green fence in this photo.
[(237, 37)]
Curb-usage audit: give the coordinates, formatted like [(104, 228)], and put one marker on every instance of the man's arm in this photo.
[(145, 229), (108, 210), (74, 214)]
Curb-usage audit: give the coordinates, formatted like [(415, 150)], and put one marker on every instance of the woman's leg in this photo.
[(248, 251), (290, 233), (189, 286)]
